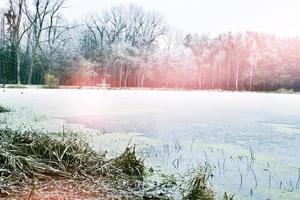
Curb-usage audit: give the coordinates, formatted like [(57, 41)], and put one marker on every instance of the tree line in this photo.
[(127, 46)]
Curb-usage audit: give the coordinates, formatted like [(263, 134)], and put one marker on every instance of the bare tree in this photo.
[(14, 20), (238, 51), (42, 17), (56, 31)]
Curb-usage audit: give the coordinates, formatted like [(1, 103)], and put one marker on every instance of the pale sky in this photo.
[(281, 17)]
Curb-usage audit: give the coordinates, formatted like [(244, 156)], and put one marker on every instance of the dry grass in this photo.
[(128, 163), (29, 155), (198, 187), (26, 157), (34, 165)]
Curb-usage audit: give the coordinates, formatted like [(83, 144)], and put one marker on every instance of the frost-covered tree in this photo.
[(128, 46)]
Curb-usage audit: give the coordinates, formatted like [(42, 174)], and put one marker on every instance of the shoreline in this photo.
[(16, 86)]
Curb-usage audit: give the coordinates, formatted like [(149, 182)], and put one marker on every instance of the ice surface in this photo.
[(177, 130)]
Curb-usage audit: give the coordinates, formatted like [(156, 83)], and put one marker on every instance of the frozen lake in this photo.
[(177, 130)]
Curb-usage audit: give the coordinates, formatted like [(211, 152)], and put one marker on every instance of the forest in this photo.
[(129, 46)]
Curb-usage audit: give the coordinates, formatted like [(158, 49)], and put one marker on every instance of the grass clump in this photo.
[(3, 109), (128, 163), (29, 155), (198, 188), (25, 155)]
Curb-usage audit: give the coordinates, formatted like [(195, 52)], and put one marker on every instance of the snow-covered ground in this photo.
[(177, 130)]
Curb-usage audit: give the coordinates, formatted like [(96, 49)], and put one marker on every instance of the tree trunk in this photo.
[(237, 74), (142, 79), (167, 78), (126, 76), (50, 66), (228, 70), (30, 73), (199, 78), (120, 76), (18, 66), (213, 78), (138, 79), (251, 78), (31, 65)]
